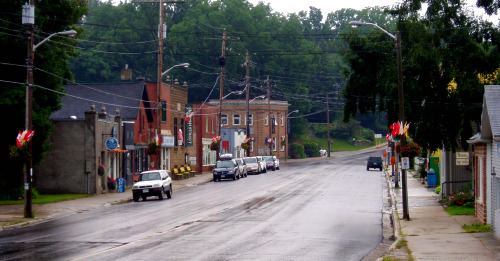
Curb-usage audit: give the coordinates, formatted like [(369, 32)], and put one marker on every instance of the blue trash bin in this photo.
[(431, 178)]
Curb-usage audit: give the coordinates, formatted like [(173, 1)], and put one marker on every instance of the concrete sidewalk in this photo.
[(432, 234)]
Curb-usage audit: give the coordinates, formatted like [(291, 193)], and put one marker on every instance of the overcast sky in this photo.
[(327, 6)]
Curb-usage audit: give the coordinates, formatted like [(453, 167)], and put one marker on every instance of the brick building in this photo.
[(205, 128), (268, 119)]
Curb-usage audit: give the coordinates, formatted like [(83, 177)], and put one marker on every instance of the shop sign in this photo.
[(167, 141)]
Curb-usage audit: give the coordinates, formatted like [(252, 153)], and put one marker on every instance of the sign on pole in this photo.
[(405, 163)]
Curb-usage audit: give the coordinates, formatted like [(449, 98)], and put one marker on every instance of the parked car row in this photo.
[(229, 168)]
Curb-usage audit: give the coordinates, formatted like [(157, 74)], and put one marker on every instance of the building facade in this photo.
[(267, 124)]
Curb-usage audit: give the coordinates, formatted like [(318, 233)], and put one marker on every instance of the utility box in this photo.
[(431, 178)]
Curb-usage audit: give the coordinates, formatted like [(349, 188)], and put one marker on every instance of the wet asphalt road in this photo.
[(318, 210)]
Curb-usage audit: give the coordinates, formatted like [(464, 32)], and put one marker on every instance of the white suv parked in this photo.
[(152, 183)]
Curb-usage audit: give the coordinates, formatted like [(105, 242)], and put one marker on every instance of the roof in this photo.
[(490, 119), (125, 96)]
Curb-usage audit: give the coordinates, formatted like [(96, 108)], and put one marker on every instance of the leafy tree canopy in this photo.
[(51, 67)]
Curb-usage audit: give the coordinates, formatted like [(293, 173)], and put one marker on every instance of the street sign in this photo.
[(405, 163), (111, 144), (121, 185)]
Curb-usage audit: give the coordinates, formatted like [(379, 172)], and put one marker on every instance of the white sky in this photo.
[(327, 6)]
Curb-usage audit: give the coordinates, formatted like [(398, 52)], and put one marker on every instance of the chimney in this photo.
[(126, 74)]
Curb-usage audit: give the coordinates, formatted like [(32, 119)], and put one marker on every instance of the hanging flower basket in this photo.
[(101, 170), (245, 146), (152, 148), (214, 145)]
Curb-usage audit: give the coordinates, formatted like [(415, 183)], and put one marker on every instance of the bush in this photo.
[(460, 198), (297, 151), (438, 190), (311, 149)]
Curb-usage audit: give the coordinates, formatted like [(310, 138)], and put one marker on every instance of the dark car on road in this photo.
[(374, 163), (226, 169)]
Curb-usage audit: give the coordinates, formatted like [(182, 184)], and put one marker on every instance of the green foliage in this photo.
[(477, 228), (51, 68), (45, 199), (437, 190), (297, 151), (459, 210), (459, 198), (311, 149), (441, 47)]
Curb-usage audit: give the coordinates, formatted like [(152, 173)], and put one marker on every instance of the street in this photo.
[(328, 209)]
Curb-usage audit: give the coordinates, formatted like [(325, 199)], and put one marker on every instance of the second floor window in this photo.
[(163, 111), (236, 119), (223, 119)]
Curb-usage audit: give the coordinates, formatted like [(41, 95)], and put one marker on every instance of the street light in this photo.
[(401, 103), (248, 117), (185, 65), (28, 174), (235, 92), (258, 97), (286, 132), (159, 107)]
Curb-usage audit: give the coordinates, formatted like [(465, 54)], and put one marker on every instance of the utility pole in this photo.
[(247, 89), (222, 63), (28, 171), (158, 88), (406, 215), (269, 113), (328, 124)]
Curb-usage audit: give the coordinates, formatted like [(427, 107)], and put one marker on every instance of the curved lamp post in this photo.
[(29, 111), (159, 108), (397, 39)]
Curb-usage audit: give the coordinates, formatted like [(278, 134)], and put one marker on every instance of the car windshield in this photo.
[(240, 162), (250, 160), (150, 176), (268, 158), (224, 164)]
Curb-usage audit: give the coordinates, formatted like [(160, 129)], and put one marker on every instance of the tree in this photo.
[(443, 53), (51, 68)]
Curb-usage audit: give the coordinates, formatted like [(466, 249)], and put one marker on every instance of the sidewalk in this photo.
[(11, 216), (432, 234)]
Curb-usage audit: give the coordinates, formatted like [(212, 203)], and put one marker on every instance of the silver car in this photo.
[(242, 166), (262, 163), (253, 166)]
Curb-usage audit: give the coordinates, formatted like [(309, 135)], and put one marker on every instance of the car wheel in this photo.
[(136, 198), (169, 191), (143, 198), (160, 195), (274, 168), (367, 168), (380, 169)]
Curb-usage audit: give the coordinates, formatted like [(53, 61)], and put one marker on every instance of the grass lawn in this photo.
[(476, 228), (459, 210), (45, 199)]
